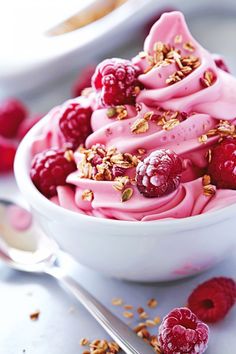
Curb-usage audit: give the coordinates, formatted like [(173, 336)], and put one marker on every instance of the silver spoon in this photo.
[(25, 247)]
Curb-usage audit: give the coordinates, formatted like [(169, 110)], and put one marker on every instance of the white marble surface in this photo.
[(59, 329)]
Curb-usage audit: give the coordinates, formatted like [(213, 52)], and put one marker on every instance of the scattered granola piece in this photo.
[(142, 54), (208, 78), (140, 126), (119, 112), (203, 138), (111, 112), (170, 124), (120, 183), (136, 90), (114, 347), (209, 190), (189, 46), (127, 194), (87, 195), (157, 320), (152, 303), (173, 78), (140, 309), (140, 326), (143, 333), (141, 151), (95, 343), (69, 155), (34, 316), (155, 344), (209, 155), (143, 315), (98, 351), (178, 39), (150, 323), (148, 115), (206, 180), (117, 301), (84, 341), (128, 307), (98, 346), (128, 314)]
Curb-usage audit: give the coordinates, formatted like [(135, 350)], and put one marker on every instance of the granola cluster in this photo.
[(118, 112), (165, 54), (222, 130), (104, 164), (107, 164), (167, 119)]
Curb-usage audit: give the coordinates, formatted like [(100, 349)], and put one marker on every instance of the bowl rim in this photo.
[(39, 202)]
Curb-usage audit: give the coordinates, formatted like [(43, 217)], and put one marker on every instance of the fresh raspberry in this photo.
[(75, 123), (7, 153), (212, 300), (159, 173), (222, 166), (181, 332), (83, 80), (12, 113), (26, 125), (116, 80), (49, 169)]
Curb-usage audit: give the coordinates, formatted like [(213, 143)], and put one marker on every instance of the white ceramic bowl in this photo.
[(139, 251)]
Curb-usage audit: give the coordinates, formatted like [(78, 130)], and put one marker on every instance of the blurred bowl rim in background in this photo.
[(60, 55)]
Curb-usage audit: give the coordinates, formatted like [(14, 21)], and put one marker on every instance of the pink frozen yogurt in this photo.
[(195, 103)]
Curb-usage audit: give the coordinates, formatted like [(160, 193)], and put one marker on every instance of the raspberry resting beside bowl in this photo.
[(153, 138)]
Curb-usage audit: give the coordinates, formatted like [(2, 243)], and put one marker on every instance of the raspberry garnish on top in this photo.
[(212, 300), (159, 173), (222, 166), (75, 123), (182, 333), (12, 114), (116, 80), (49, 169)]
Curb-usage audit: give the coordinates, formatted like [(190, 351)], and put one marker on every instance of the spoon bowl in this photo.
[(23, 245)]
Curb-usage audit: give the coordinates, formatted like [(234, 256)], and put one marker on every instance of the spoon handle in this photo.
[(118, 330)]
